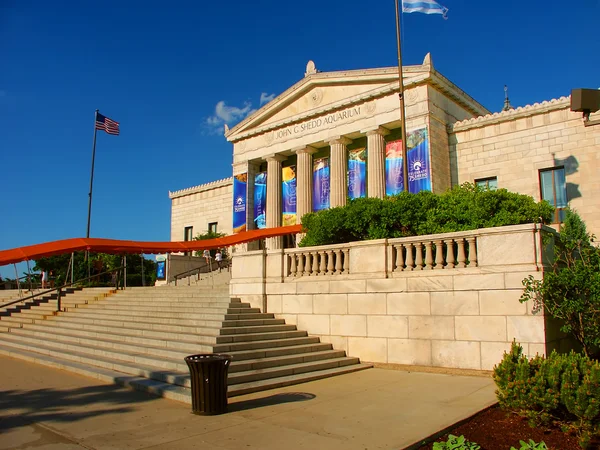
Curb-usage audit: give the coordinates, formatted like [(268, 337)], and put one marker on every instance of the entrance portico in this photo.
[(329, 114)]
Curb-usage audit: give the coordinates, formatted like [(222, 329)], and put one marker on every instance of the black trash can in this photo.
[(208, 375)]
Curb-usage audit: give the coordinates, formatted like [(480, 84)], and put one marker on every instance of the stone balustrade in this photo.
[(447, 252), (315, 262)]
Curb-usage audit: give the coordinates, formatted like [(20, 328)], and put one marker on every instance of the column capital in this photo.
[(339, 140), (380, 131), (305, 149), (275, 158)]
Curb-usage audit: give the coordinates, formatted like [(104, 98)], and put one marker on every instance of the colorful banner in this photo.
[(260, 200), (288, 195), (394, 174), (419, 170), (357, 173), (320, 184), (240, 183), (160, 270)]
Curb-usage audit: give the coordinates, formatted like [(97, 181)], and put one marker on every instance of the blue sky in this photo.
[(173, 73)]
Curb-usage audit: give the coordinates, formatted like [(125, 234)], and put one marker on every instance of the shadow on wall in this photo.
[(571, 166)]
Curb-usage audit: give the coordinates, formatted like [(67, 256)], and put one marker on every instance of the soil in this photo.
[(495, 429)]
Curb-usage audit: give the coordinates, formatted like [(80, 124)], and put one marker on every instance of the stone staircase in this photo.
[(139, 337)]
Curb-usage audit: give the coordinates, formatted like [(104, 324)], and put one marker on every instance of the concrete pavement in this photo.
[(45, 408)]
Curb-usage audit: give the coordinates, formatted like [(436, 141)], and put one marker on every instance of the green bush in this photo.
[(465, 207), (531, 445), (563, 389), (570, 291)]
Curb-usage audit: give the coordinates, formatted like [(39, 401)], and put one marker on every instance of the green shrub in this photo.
[(570, 291), (531, 445), (456, 443), (563, 389), (465, 207)]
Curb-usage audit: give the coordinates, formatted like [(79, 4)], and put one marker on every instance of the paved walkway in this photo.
[(44, 408)]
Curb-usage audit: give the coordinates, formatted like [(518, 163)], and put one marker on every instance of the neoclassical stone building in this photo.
[(449, 300), (543, 150)]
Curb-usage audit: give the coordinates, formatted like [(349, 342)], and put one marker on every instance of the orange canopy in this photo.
[(114, 246)]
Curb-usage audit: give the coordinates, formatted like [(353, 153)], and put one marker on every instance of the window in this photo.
[(212, 227), (188, 235), (490, 183), (553, 188)]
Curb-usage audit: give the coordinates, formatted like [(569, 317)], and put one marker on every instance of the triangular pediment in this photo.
[(322, 92)]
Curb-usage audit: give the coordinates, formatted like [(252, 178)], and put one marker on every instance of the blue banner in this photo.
[(320, 184), (288, 195), (240, 182), (260, 199), (419, 170), (394, 173), (160, 270), (357, 173)]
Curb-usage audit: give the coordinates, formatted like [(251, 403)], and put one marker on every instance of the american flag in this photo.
[(106, 124)]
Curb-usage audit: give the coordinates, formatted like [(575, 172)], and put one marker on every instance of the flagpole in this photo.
[(401, 95), (92, 177)]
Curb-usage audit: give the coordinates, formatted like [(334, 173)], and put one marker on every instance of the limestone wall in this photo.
[(200, 205), (515, 145), (402, 301)]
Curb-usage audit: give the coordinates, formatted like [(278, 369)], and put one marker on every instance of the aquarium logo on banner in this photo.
[(419, 173), (357, 174), (260, 200), (240, 182), (288, 195), (394, 173), (320, 184)]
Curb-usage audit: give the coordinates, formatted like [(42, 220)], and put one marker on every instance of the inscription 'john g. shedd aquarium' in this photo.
[(313, 124)]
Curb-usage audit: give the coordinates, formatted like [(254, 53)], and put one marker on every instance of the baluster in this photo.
[(410, 262), (472, 252), (419, 256), (307, 264), (461, 253), (293, 266), (450, 254), (300, 270), (315, 264), (330, 266), (428, 256), (338, 261), (323, 266), (439, 254), (399, 256), (346, 260)]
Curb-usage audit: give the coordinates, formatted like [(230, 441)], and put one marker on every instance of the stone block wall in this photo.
[(445, 316), (200, 205), (515, 145)]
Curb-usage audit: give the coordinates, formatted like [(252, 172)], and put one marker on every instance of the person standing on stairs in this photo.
[(44, 279), (219, 258)]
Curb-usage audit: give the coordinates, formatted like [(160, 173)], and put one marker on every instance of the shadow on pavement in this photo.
[(288, 397), (61, 404)]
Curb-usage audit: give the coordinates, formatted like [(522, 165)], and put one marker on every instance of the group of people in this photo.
[(218, 258)]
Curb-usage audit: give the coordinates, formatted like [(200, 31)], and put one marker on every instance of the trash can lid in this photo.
[(209, 357)]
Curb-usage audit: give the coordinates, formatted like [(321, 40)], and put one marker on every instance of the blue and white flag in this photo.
[(424, 6)]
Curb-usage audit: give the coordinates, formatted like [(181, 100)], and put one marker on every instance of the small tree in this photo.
[(209, 235), (570, 292)]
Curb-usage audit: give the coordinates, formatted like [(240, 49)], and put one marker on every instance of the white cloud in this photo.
[(230, 115), (266, 98)]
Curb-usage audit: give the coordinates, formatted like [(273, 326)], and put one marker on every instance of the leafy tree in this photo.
[(570, 291)]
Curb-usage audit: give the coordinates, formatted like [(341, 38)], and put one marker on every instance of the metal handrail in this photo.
[(60, 288), (199, 268)]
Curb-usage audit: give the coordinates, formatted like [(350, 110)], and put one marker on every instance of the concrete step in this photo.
[(183, 318), (260, 379), (192, 327), (153, 308), (249, 316), (252, 322), (192, 301), (254, 345), (136, 314), (271, 352)]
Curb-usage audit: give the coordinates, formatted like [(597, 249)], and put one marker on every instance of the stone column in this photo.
[(376, 162), (338, 171), (304, 188), (274, 198)]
